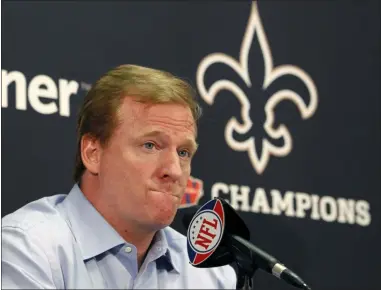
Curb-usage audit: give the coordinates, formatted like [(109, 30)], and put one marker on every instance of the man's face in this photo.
[(145, 167)]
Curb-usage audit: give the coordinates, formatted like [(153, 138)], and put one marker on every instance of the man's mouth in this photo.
[(167, 193)]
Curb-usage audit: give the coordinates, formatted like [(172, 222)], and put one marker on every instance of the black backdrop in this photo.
[(313, 203)]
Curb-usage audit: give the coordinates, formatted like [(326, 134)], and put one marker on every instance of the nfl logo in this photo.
[(205, 231), (193, 192)]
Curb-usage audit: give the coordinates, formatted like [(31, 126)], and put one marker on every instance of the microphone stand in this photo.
[(245, 266), (245, 280)]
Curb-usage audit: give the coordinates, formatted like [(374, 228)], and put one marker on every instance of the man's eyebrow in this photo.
[(190, 142), (152, 133)]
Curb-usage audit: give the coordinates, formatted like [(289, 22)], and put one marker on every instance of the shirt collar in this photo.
[(169, 249), (96, 236)]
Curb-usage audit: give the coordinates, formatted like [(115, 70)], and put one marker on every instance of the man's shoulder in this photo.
[(31, 237), (36, 215)]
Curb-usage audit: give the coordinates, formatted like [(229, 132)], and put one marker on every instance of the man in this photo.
[(136, 138)]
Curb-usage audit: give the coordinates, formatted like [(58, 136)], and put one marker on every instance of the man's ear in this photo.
[(91, 151)]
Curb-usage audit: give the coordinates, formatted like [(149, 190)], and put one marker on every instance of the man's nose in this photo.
[(171, 168)]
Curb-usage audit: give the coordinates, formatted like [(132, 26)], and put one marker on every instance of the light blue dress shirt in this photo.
[(62, 242)]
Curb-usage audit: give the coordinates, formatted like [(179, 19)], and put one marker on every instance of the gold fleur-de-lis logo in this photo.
[(306, 109)]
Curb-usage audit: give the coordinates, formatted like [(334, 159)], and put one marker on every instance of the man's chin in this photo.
[(161, 221)]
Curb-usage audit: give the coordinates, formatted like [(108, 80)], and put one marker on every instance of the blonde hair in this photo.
[(98, 115)]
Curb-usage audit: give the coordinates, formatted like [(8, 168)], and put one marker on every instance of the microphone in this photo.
[(217, 236)]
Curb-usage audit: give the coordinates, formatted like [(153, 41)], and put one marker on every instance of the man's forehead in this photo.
[(165, 114)]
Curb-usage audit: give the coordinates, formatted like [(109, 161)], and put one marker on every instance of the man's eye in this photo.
[(184, 153), (149, 145)]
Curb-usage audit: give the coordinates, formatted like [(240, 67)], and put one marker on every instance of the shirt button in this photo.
[(128, 249), (158, 249)]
